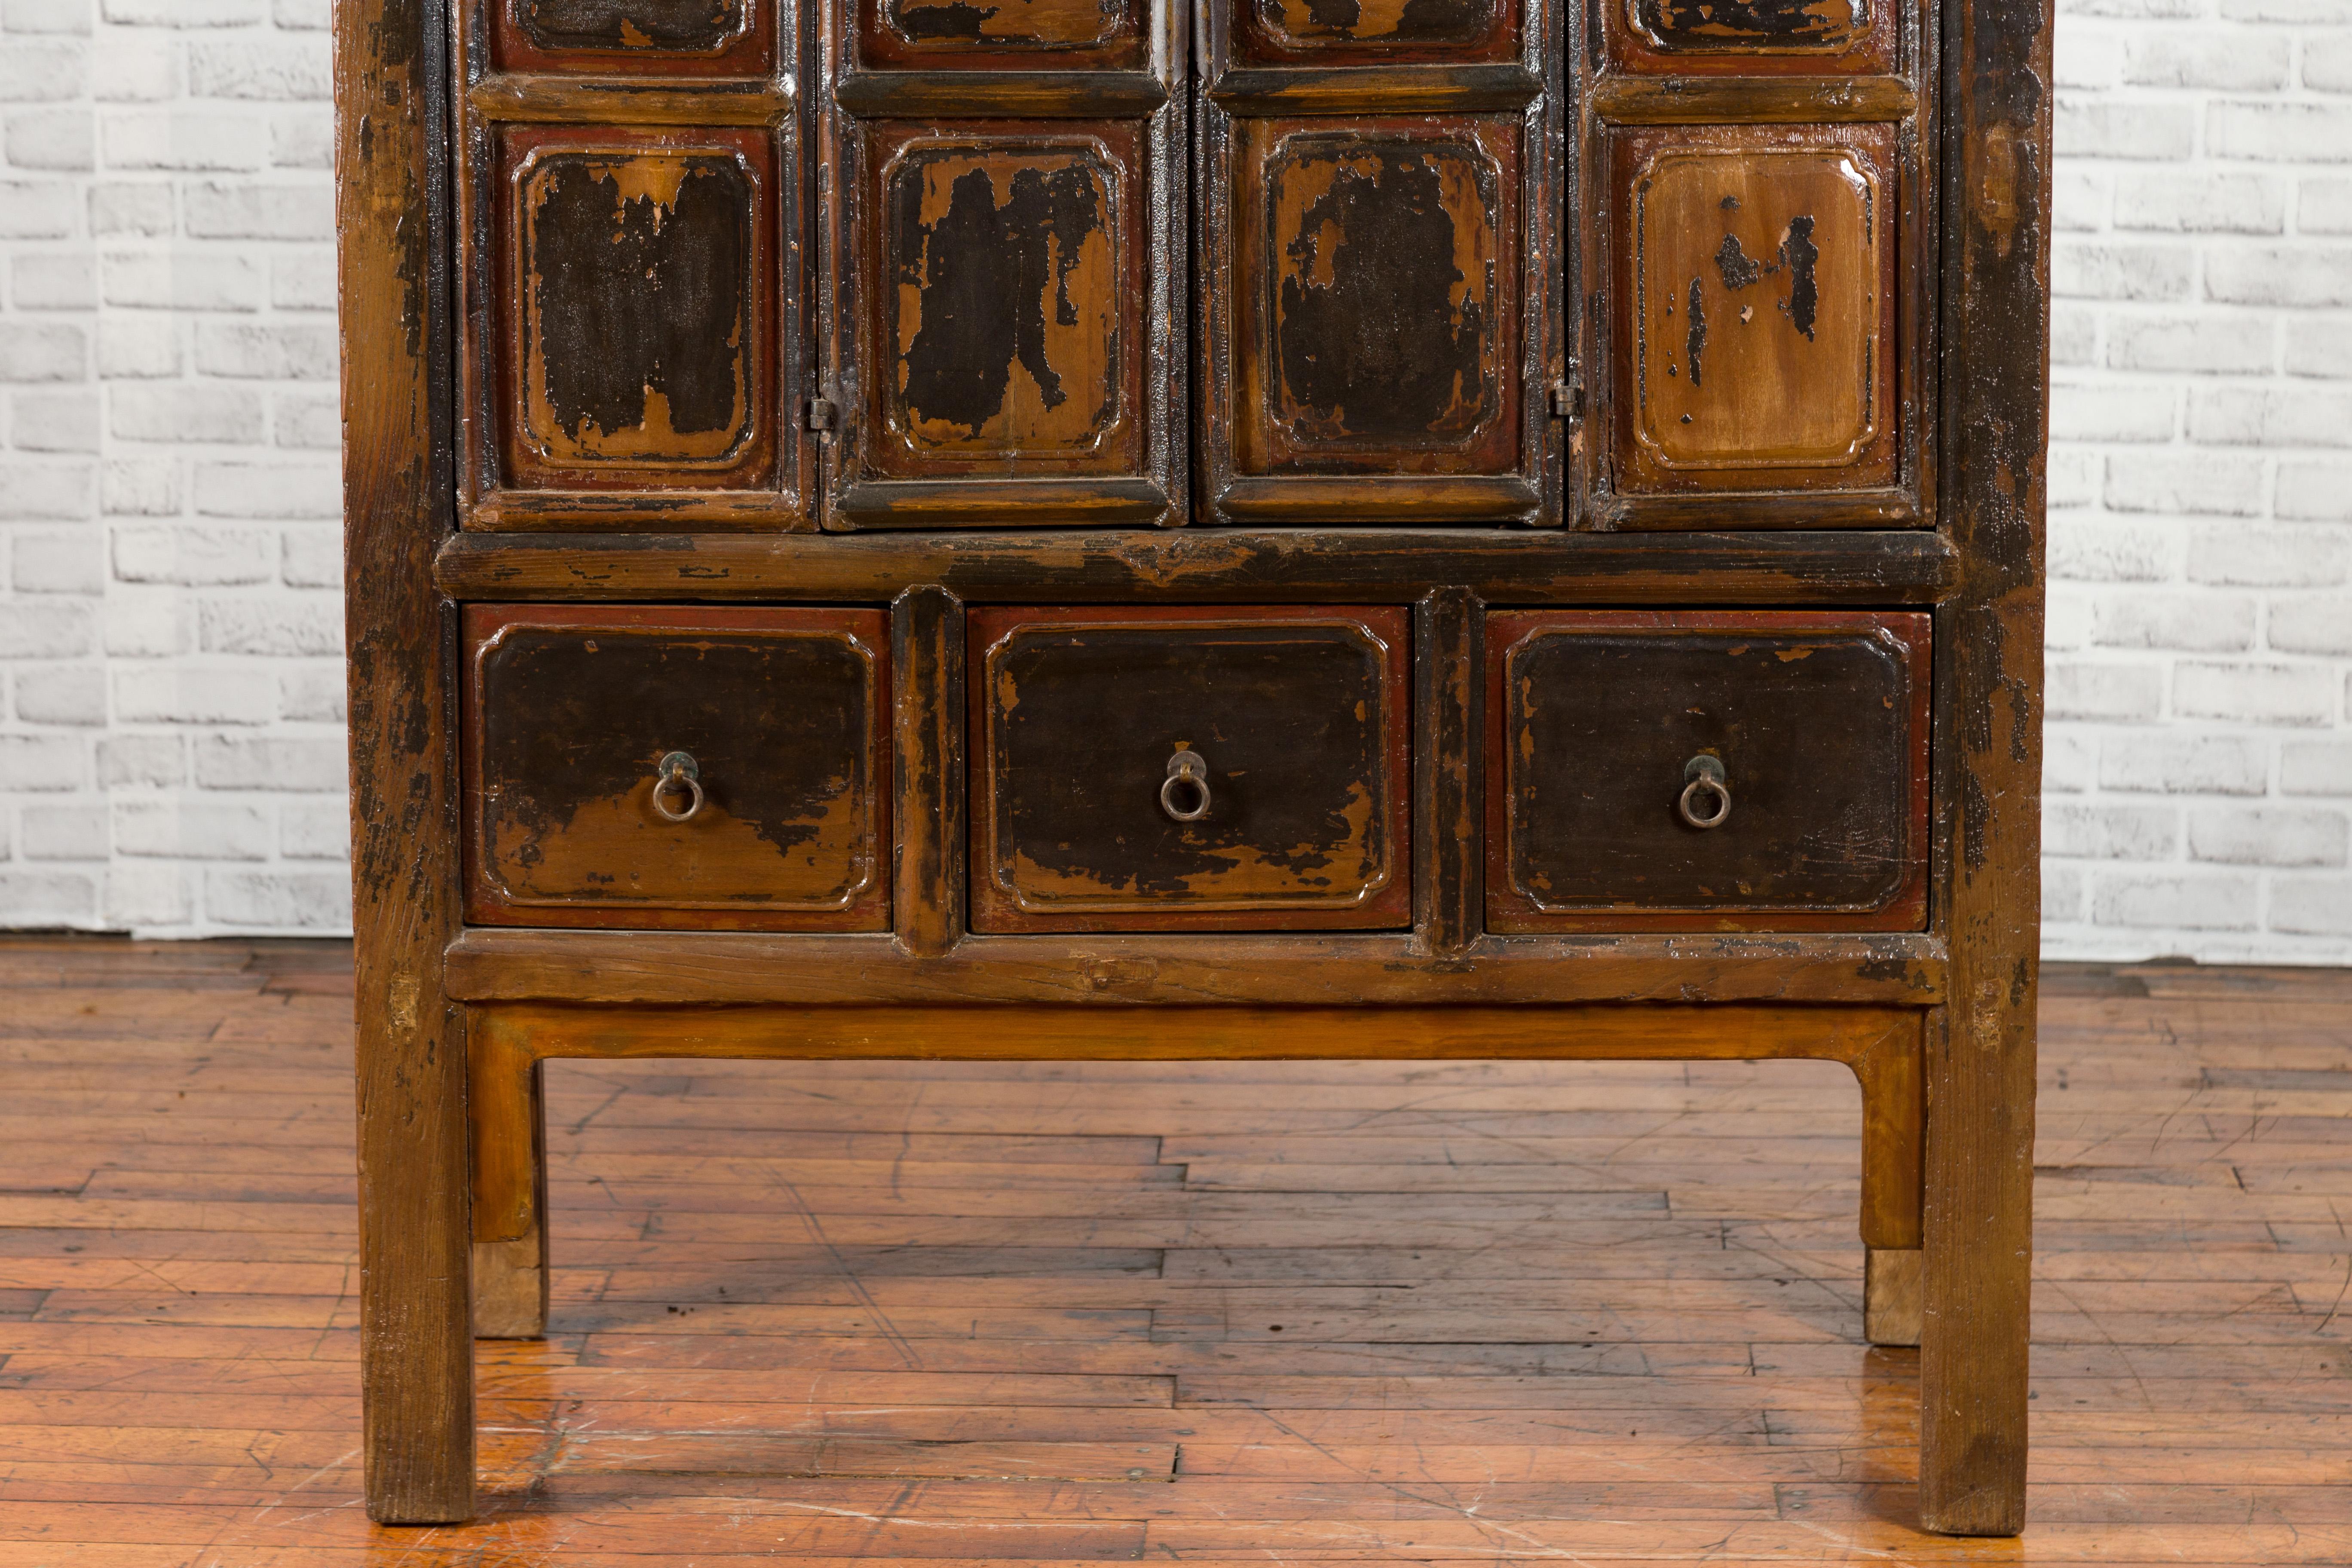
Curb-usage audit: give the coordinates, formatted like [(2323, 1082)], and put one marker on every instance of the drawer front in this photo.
[(1212, 768), (1718, 771), (577, 817)]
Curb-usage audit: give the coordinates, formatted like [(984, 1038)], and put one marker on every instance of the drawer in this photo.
[(778, 821), (1211, 768), (1717, 770)]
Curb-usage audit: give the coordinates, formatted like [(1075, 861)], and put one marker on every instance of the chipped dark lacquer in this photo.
[(569, 715), (1818, 723), (640, 311), (1361, 32), (1758, 308), (1003, 35), (1299, 717), (1381, 329), (636, 37), (1752, 37)]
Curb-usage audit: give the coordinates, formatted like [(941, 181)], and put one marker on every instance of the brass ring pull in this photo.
[(1703, 777), (677, 772), (1185, 792)]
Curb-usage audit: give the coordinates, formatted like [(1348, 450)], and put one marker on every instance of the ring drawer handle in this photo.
[(1185, 792), (677, 771), (1703, 777)]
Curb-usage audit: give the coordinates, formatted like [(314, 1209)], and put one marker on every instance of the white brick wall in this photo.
[(171, 750), (171, 753), (2199, 788)]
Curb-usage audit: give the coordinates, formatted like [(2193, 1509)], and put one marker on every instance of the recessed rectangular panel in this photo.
[(1003, 35), (1751, 37), (1374, 32), (633, 37), (1378, 326), (1218, 768), (692, 767), (637, 293), (1723, 770), (1757, 313)]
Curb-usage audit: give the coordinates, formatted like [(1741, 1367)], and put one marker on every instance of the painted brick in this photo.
[(273, 211), (301, 142), (2315, 767), (181, 140), (2110, 270), (194, 694), (54, 421), (2267, 416), (2202, 342), (276, 70), (2327, 63), (37, 209), (143, 487), (40, 765), (2314, 906), (143, 895), (2177, 764), (275, 625), (2266, 836), (2202, 623), (2062, 893), (2074, 476), (59, 561), (62, 694), (2110, 832), (2320, 490), (2254, 692), (273, 490), (283, 900), (302, 280), (266, 351), (2107, 549), (310, 763), (142, 761), (2070, 762), (65, 833), (42, 900), (144, 623), (2112, 691), (2325, 206), (140, 67), (2320, 624), (208, 556), (2320, 347), (60, 139), (62, 16), (47, 628), (182, 413), (43, 350), (2203, 483), (138, 209), (2252, 555), (2281, 133), (2293, 275), (314, 696), (2080, 200), (59, 280), (2206, 56), (314, 15), (309, 421), (30, 489), (40, 71), (2097, 128), (2186, 901), (139, 345), (185, 280), (311, 830), (2073, 335), (185, 12), (2097, 412), (191, 830), (312, 558)]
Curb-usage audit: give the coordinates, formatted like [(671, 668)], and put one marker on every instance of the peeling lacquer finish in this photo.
[(1009, 25), (569, 715), (648, 39), (1387, 290), (1298, 714), (1752, 25), (1006, 310), (633, 26), (1760, 348), (1306, 23)]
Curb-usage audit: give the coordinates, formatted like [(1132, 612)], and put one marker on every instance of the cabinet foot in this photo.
[(1891, 1284)]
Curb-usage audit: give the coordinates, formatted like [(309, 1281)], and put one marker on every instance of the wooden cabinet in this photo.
[(1240, 527)]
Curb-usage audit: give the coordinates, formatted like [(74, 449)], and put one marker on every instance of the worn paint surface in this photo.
[(1747, 25), (637, 293), (1010, 24), (1311, 22), (1758, 278), (571, 724), (1384, 290), (649, 24), (1005, 303), (1819, 734), (1295, 721)]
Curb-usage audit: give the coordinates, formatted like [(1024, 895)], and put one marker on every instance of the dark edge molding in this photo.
[(1448, 803), (393, 132), (1981, 1050), (1884, 568), (927, 710)]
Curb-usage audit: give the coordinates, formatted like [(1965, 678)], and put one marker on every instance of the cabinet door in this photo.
[(1007, 248), (630, 219), (1377, 193)]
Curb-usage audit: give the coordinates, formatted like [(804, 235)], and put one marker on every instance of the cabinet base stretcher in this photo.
[(508, 1046)]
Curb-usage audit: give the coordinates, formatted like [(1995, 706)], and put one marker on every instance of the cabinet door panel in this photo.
[(1757, 343), (1003, 35), (633, 37), (1768, 38), (1364, 32)]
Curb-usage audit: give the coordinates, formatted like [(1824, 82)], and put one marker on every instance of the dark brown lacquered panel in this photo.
[(1003, 35), (1718, 770), (1006, 295), (571, 714), (1377, 322), (1367, 32), (636, 37), (1291, 814), (637, 299), (1756, 309), (1751, 37)]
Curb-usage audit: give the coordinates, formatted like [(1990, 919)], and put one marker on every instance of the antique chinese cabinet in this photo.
[(1193, 528)]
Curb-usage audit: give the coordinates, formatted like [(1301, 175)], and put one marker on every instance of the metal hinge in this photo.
[(820, 414), (1568, 396)]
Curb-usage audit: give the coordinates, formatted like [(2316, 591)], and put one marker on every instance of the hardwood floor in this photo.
[(1462, 1312)]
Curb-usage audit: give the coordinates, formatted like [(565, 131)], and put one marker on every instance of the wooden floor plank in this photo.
[(967, 1313)]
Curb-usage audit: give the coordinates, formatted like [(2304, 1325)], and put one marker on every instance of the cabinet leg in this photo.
[(511, 1271), (1891, 1281)]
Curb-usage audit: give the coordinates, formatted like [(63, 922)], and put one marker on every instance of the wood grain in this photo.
[(1612, 1311)]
